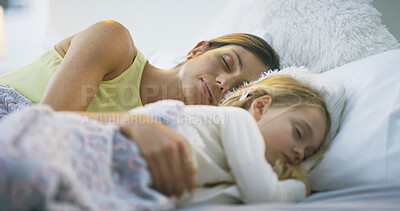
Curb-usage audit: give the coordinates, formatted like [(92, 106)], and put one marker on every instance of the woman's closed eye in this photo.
[(226, 64)]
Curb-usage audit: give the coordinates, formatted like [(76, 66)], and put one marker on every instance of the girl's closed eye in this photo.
[(298, 133), (308, 153)]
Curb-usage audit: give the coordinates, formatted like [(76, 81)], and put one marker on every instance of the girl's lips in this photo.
[(287, 159), (207, 91)]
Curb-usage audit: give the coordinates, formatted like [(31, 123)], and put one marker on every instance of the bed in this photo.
[(345, 41), (360, 171), (366, 197)]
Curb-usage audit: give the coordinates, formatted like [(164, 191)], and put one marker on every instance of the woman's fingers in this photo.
[(159, 171), (155, 174), (166, 171), (173, 169), (178, 172), (166, 165), (167, 156), (181, 174)]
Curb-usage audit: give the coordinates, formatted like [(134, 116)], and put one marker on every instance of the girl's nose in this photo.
[(298, 154)]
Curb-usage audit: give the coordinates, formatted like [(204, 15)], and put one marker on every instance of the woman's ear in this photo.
[(201, 47), (260, 105)]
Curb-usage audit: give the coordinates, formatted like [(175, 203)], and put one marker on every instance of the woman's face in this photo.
[(291, 135), (209, 75)]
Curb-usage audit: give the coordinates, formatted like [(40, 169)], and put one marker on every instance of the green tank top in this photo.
[(119, 94)]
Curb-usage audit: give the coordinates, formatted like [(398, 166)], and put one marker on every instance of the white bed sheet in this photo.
[(367, 197)]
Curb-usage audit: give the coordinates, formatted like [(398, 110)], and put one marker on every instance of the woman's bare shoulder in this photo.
[(63, 46), (109, 37), (106, 30)]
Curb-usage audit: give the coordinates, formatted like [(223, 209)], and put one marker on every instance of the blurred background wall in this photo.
[(32, 26), (175, 26)]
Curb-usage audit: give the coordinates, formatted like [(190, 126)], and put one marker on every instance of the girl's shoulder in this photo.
[(222, 115), (174, 109), (225, 110)]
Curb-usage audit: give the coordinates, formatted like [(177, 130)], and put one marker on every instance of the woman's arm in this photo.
[(163, 149), (105, 48)]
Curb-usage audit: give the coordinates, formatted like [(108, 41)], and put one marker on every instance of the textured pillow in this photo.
[(367, 147), (318, 34)]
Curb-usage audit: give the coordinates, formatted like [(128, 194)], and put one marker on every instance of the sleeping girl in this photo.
[(52, 160)]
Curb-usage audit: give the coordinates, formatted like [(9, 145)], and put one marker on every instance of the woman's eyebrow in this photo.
[(239, 59)]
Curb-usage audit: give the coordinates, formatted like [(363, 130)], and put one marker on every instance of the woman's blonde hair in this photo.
[(252, 43), (285, 92)]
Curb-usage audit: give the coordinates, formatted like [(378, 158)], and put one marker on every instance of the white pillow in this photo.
[(318, 34), (367, 147)]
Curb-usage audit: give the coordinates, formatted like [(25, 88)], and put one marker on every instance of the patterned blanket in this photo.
[(60, 161)]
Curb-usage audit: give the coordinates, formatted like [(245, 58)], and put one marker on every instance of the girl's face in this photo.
[(289, 134), (209, 74)]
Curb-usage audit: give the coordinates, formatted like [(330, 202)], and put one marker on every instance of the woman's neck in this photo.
[(157, 84)]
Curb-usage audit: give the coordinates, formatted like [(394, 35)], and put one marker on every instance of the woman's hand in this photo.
[(166, 154)]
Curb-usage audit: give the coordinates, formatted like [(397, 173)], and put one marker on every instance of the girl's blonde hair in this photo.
[(285, 92)]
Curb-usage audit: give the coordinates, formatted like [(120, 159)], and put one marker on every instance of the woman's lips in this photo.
[(207, 91)]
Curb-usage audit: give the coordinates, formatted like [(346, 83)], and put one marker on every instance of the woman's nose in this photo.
[(222, 84)]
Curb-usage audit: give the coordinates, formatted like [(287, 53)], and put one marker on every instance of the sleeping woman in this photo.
[(100, 69), (52, 160)]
